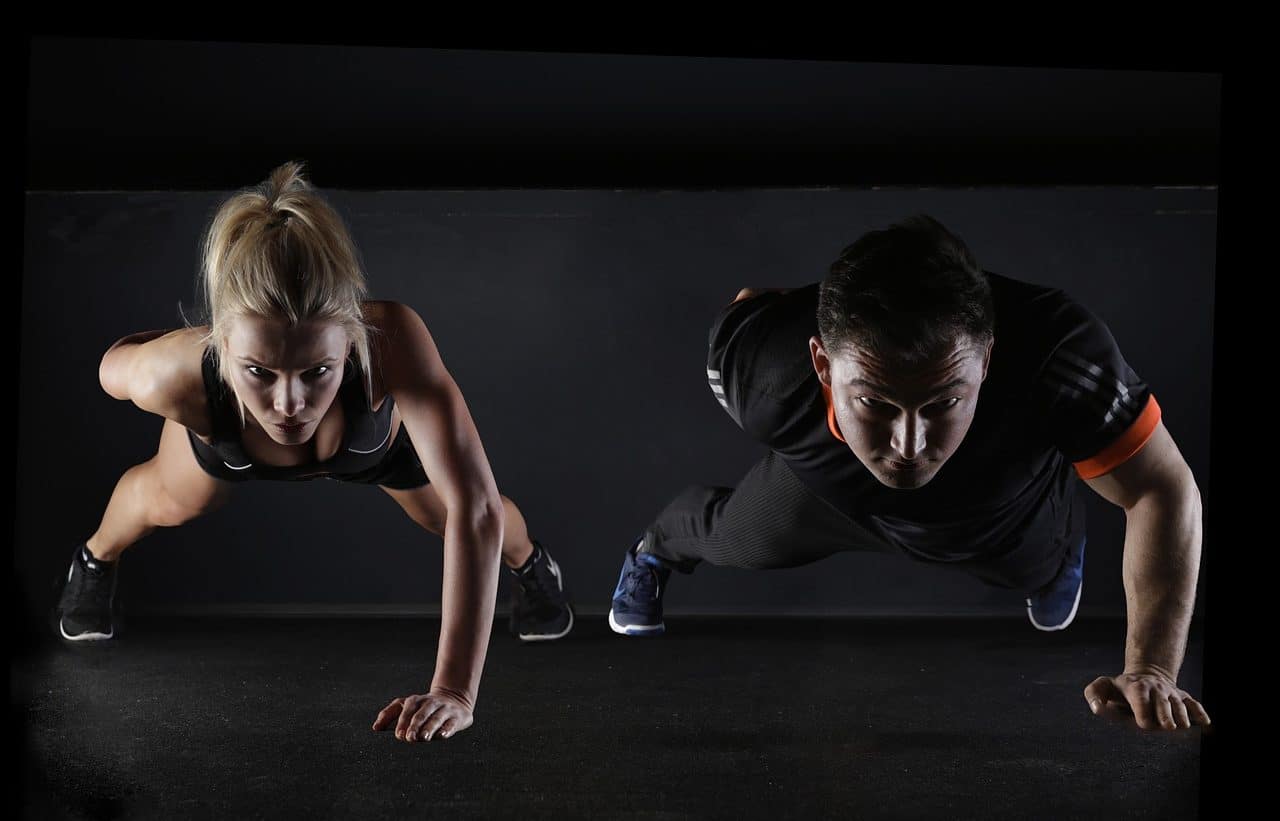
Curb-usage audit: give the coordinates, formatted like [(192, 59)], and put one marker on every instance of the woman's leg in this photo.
[(167, 490), (426, 508), (540, 608), (164, 491)]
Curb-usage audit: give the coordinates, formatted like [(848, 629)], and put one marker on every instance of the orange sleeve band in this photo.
[(1119, 451), (831, 414)]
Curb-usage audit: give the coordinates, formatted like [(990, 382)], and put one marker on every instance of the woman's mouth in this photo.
[(294, 428)]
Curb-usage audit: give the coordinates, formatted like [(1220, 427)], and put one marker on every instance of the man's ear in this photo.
[(821, 362), (986, 357)]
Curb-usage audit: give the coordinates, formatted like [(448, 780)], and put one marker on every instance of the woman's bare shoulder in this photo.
[(175, 388), (384, 314), (399, 345), (395, 326)]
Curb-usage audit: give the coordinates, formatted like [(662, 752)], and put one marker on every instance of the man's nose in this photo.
[(908, 437)]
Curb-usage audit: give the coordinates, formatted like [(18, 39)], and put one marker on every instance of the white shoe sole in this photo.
[(84, 636), (1070, 616), (549, 637), (635, 629)]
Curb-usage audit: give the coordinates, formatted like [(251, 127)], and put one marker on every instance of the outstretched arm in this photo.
[(446, 440), (1160, 566)]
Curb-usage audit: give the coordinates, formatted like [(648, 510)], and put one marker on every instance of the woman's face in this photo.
[(286, 376)]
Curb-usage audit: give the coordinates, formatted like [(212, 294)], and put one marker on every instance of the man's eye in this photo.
[(948, 404), (867, 401)]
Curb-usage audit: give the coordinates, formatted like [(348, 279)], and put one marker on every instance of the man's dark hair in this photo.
[(909, 291)]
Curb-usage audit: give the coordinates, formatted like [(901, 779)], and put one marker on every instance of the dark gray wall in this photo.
[(575, 323)]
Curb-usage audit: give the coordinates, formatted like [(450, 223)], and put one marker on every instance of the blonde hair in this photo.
[(279, 250)]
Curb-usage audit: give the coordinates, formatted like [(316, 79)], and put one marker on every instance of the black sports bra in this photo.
[(365, 439)]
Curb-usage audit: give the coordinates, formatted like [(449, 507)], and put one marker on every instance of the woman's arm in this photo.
[(446, 440), (159, 371)]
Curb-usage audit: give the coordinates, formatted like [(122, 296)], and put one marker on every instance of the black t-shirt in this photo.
[(1059, 399)]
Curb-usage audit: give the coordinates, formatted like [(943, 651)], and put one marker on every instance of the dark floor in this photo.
[(740, 718)]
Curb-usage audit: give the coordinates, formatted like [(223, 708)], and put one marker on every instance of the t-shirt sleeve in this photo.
[(1098, 412), (758, 361)]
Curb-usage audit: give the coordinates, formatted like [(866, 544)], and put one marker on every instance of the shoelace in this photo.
[(537, 587), (93, 590), (641, 581)]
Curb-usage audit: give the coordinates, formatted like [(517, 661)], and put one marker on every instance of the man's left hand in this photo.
[(1156, 701)]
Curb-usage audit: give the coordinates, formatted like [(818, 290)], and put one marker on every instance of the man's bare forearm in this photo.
[(1161, 567)]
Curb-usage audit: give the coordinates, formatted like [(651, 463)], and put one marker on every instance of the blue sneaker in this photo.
[(637, 600), (1053, 606)]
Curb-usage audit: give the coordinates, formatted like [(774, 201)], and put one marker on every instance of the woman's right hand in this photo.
[(422, 717)]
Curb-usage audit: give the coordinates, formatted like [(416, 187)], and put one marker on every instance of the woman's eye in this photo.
[(254, 370), (867, 401)]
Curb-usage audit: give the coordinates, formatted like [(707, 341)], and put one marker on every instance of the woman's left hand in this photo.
[(421, 718)]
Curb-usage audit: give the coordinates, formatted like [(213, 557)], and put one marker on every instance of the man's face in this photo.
[(903, 422)]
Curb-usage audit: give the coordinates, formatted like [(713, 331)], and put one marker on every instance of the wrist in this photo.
[(1149, 668), (461, 696)]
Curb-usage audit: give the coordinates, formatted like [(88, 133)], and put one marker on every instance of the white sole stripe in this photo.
[(561, 634), (85, 636), (633, 629), (1070, 616)]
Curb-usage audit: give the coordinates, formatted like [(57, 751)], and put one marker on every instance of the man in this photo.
[(944, 412)]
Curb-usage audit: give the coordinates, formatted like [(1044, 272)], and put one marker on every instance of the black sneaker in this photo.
[(85, 607), (540, 609)]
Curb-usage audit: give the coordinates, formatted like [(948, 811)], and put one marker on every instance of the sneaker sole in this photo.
[(1070, 616), (549, 636), (84, 636), (635, 629)]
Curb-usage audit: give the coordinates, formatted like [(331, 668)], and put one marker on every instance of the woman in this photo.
[(297, 376)]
